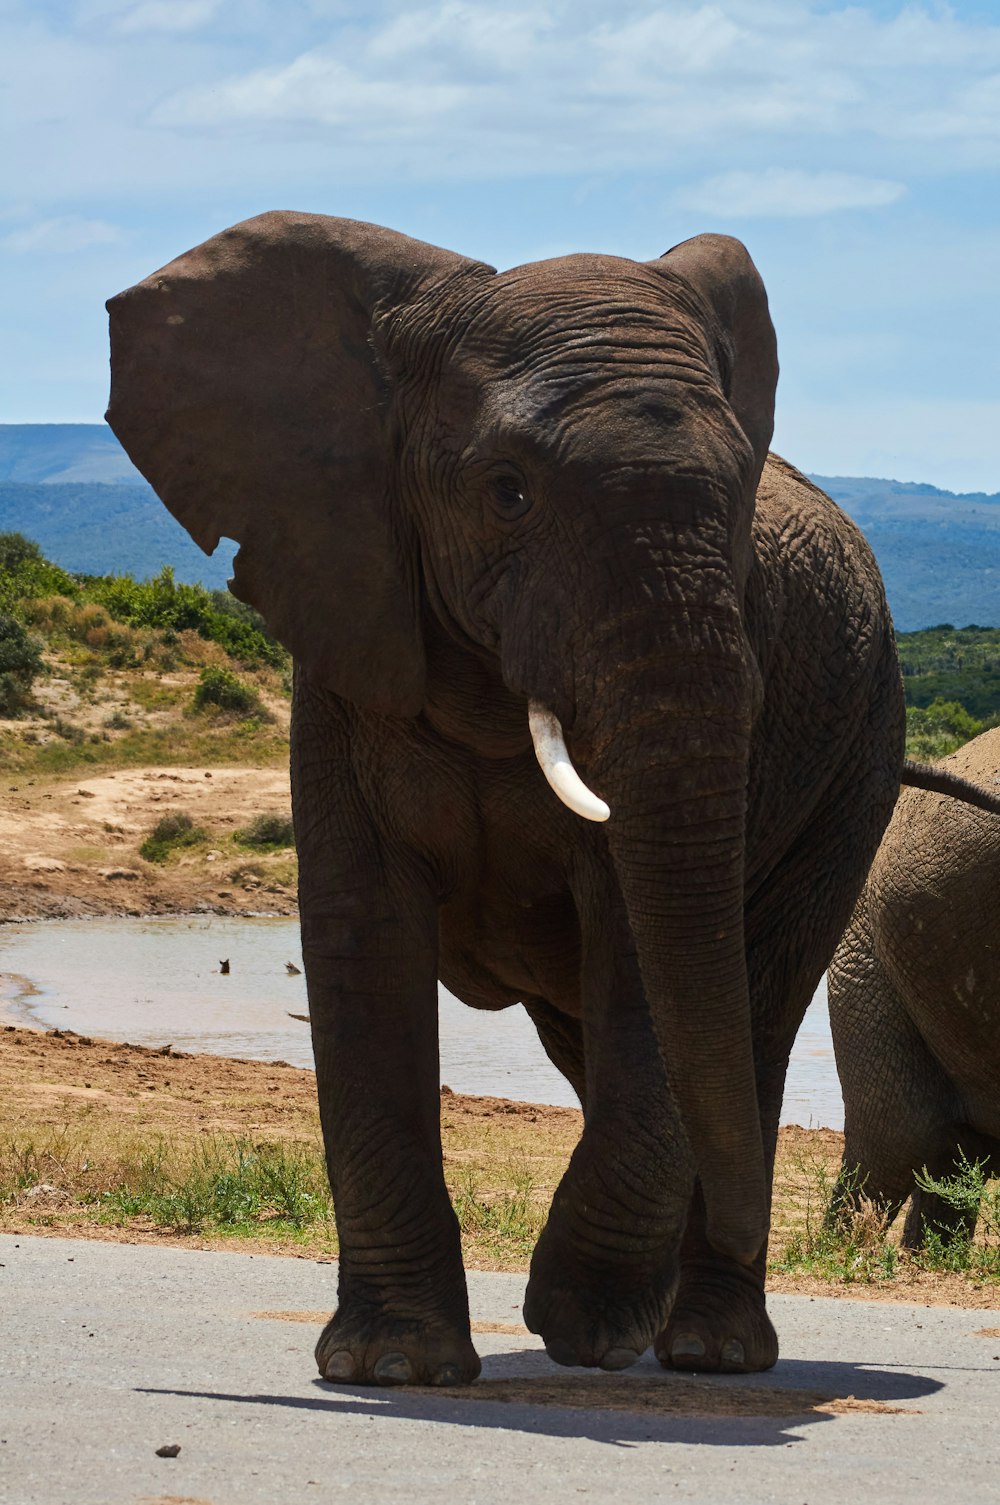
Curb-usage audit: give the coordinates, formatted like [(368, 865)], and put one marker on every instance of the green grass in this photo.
[(232, 1187), (269, 831), (246, 742), (856, 1246)]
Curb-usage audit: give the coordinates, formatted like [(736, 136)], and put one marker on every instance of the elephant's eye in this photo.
[(509, 496)]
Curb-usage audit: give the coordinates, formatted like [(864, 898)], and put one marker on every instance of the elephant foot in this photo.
[(719, 1324), (597, 1319), (378, 1349)]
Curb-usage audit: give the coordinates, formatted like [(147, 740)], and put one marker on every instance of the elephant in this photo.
[(914, 991), (522, 530)]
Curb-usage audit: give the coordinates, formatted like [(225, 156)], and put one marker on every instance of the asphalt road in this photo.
[(110, 1351)]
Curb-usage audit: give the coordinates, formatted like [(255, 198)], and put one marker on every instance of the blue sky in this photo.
[(854, 148)]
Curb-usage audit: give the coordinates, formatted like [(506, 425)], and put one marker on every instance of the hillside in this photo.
[(101, 528), (56, 453), (939, 551), (72, 488)]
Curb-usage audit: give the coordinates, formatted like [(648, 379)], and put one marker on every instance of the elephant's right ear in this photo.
[(720, 271), (247, 389)]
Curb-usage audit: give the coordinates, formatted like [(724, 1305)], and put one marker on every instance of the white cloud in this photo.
[(786, 193), (459, 86), (61, 235)]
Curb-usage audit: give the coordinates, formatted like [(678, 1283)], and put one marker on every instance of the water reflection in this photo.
[(159, 981)]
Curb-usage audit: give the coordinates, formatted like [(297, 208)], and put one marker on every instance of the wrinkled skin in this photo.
[(915, 1003), (456, 491)]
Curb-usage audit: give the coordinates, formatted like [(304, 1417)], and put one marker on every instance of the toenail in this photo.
[(561, 1352), (340, 1365), (393, 1369), (732, 1352), (619, 1358), (448, 1374), (687, 1346)]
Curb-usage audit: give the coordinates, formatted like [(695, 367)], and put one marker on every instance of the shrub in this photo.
[(269, 830), (938, 729), (25, 573), (171, 606), (170, 833), (222, 688), (20, 663)]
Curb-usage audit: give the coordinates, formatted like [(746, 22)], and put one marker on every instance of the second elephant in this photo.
[(914, 994)]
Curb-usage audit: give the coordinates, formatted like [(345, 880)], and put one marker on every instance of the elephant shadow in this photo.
[(646, 1405)]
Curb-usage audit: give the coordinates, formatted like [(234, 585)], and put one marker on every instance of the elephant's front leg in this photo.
[(605, 1268), (369, 934)]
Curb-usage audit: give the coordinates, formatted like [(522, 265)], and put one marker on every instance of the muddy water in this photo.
[(159, 981)]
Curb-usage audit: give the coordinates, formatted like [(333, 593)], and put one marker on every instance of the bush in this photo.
[(224, 689), (173, 607), (20, 663), (270, 830), (25, 573), (938, 729), (170, 833)]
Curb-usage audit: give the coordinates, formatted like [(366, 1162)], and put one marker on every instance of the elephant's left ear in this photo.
[(719, 270), (247, 387)]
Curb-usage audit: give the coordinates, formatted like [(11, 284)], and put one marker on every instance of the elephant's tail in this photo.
[(939, 781)]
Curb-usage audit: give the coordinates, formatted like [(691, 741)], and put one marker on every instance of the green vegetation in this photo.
[(20, 664), (171, 833), (103, 668), (953, 664), (951, 678), (225, 691), (161, 606), (853, 1244), (25, 574), (940, 729), (232, 1186), (267, 832), (168, 605)]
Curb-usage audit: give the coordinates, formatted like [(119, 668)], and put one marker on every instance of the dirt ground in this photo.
[(69, 846), (62, 1081)]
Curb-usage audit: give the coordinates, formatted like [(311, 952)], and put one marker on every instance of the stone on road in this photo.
[(110, 1351)]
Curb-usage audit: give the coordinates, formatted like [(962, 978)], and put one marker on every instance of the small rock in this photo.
[(47, 1195), (113, 873), (225, 893), (168, 1450), (88, 794)]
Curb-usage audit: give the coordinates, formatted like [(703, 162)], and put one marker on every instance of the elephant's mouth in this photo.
[(557, 765)]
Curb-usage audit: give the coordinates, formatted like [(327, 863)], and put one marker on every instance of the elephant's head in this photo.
[(557, 465)]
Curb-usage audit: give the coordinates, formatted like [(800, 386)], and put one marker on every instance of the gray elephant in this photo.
[(506, 525), (914, 994)]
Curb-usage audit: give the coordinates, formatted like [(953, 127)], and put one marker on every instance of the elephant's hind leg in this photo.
[(901, 1111)]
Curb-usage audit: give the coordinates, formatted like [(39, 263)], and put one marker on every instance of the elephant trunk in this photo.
[(674, 772)]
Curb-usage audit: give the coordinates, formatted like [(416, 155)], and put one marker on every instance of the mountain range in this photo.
[(72, 488)]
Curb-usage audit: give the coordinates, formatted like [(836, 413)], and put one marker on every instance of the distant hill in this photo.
[(98, 528), (54, 453), (939, 551), (71, 487)]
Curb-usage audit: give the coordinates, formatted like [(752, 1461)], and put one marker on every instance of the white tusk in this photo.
[(555, 763)]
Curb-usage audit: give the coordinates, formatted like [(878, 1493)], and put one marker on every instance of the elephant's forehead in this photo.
[(571, 322)]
